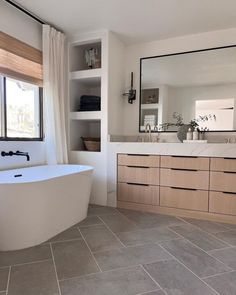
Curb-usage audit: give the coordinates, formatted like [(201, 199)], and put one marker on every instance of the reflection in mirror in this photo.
[(200, 86)]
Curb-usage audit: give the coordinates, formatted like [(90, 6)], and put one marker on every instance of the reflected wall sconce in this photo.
[(131, 92)]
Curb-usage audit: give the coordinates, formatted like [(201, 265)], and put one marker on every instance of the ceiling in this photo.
[(136, 20), (211, 67)]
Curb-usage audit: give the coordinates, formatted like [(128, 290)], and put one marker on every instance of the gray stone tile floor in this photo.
[(124, 252)]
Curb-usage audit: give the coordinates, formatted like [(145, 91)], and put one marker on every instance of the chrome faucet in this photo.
[(156, 128), (148, 129)]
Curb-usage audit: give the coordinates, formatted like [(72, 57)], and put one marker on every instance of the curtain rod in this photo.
[(30, 14)]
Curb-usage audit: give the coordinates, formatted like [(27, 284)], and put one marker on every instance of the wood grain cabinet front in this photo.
[(143, 194), (181, 198), (185, 162), (223, 164), (184, 178), (222, 203), (223, 181), (139, 175), (139, 160), (200, 187)]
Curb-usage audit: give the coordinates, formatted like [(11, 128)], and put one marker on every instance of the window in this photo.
[(21, 110), (21, 81)]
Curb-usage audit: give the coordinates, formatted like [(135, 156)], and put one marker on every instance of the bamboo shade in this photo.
[(20, 61)]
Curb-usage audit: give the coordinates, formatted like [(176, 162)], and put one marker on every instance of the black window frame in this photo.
[(4, 102)]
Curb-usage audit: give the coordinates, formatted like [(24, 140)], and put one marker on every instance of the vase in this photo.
[(182, 132)]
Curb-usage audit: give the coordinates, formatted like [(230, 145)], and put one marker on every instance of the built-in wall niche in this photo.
[(149, 116), (150, 96), (150, 99), (83, 128), (78, 56), (78, 88)]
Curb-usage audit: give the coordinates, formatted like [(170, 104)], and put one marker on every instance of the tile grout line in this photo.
[(55, 269), (148, 274), (100, 270), (148, 292), (106, 271), (211, 234), (218, 274), (225, 248), (26, 263), (8, 280), (112, 232), (176, 259), (139, 245), (61, 241), (208, 253)]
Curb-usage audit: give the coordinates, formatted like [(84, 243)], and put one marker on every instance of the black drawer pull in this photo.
[(190, 157), (141, 184), (138, 167), (229, 172), (226, 158), (229, 193), (184, 188), (139, 155), (180, 169)]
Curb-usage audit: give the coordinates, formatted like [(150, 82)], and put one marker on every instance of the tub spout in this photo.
[(17, 153)]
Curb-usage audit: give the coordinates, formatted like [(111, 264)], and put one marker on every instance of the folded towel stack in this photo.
[(90, 103), (150, 119)]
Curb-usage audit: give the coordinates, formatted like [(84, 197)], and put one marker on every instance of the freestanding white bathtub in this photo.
[(39, 202)]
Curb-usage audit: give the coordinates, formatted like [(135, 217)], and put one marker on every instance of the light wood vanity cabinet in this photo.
[(139, 175), (184, 182), (184, 198), (192, 179), (199, 187), (223, 186), (138, 160), (185, 162), (138, 179)]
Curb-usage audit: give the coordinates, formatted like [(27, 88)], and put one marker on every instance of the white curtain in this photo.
[(55, 93)]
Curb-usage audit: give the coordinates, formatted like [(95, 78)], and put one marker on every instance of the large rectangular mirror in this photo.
[(199, 85)]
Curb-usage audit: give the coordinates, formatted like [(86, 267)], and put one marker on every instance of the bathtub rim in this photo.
[(87, 169)]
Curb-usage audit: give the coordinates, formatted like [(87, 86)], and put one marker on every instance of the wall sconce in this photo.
[(131, 92)]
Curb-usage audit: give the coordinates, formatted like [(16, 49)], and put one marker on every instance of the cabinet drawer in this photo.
[(185, 162), (138, 160), (184, 199), (223, 182), (184, 178), (223, 164), (143, 194), (222, 203), (138, 175)]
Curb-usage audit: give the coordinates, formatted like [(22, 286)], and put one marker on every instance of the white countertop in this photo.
[(178, 149)]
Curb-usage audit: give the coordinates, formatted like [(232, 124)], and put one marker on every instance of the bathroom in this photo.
[(116, 186)]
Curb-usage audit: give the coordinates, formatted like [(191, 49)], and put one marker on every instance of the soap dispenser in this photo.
[(189, 134)]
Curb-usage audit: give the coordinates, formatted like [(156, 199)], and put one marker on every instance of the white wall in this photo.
[(182, 99), (173, 45), (20, 26), (116, 84)]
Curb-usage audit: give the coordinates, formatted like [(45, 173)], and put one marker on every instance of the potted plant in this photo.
[(183, 128)]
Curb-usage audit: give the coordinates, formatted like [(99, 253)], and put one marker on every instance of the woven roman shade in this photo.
[(20, 61)]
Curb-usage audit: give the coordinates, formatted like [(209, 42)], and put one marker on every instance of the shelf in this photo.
[(92, 76), (86, 116), (85, 152), (149, 106)]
